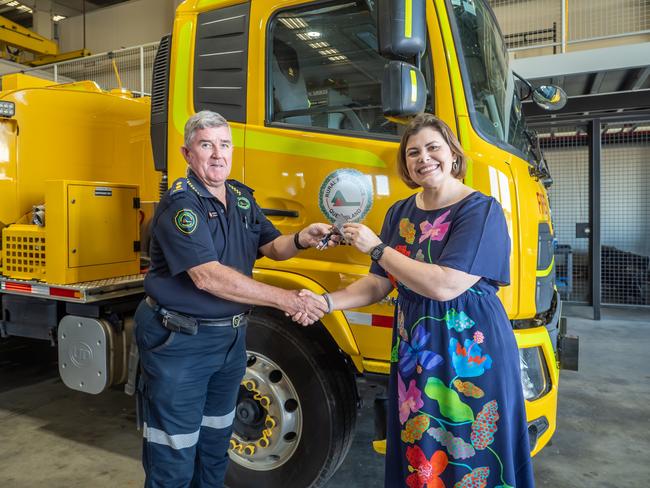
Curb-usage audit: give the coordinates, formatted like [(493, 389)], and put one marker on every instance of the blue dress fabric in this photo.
[(456, 415)]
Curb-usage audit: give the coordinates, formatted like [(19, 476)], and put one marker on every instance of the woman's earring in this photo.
[(454, 166)]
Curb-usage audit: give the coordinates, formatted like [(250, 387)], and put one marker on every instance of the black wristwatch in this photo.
[(377, 252)]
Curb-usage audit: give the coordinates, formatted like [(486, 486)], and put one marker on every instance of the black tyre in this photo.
[(297, 407)]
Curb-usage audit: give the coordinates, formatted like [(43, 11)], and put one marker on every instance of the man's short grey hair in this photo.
[(205, 119)]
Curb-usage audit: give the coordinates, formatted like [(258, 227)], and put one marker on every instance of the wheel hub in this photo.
[(249, 416), (268, 417)]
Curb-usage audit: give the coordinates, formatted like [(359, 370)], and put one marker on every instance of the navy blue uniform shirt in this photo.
[(192, 227)]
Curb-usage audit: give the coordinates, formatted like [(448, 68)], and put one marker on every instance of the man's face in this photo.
[(210, 155)]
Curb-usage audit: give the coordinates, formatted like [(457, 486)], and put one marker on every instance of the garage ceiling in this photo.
[(605, 82), (67, 8)]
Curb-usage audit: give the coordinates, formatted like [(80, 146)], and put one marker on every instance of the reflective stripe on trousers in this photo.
[(182, 441)]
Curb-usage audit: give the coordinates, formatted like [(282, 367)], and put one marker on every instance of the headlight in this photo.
[(535, 380), (7, 109)]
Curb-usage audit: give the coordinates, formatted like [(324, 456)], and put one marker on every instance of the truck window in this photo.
[(497, 113), (325, 70)]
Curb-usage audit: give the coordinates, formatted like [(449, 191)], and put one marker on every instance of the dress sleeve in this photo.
[(385, 236), (184, 236), (479, 243)]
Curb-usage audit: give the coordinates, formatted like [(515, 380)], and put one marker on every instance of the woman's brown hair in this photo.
[(418, 123)]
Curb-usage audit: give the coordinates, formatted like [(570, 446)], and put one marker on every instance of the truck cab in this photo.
[(301, 84)]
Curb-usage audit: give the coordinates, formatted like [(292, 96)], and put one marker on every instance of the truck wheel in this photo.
[(296, 411)]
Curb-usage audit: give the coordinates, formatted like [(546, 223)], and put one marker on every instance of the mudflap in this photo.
[(568, 347)]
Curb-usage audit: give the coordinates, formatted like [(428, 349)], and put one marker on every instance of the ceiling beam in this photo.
[(637, 80), (588, 61), (596, 81), (603, 102)]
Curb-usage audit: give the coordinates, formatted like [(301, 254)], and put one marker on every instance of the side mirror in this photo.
[(403, 91), (401, 27), (550, 97)]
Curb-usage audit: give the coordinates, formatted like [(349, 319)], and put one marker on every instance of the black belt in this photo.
[(179, 322)]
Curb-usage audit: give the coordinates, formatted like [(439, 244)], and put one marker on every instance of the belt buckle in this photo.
[(237, 320)]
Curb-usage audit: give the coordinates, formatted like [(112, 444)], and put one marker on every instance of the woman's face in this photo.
[(429, 158)]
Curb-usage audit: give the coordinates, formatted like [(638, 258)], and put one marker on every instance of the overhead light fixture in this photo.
[(57, 17), (328, 52), (308, 36), (294, 22), (340, 57), (19, 6), (319, 45)]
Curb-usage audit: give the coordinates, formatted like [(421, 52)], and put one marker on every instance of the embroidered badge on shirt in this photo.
[(243, 203), (186, 221)]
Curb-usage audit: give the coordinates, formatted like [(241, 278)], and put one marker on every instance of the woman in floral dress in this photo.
[(456, 406)]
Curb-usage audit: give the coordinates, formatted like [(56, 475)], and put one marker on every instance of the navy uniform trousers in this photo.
[(189, 389)]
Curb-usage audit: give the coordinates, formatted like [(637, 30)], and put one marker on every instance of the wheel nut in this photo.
[(265, 401)]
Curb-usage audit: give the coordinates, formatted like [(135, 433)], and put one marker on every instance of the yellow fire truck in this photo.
[(315, 92)]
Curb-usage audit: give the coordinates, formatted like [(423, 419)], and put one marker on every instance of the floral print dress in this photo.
[(456, 415)]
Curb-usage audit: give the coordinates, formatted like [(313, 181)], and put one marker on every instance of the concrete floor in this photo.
[(54, 437)]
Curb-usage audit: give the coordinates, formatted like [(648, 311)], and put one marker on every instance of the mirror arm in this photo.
[(527, 83)]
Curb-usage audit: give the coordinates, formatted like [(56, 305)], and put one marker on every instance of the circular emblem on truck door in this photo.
[(346, 194)]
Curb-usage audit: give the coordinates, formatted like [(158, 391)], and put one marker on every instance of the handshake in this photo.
[(305, 307)]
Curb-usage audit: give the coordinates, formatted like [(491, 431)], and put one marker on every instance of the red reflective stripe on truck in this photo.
[(64, 292), (382, 321), (9, 285)]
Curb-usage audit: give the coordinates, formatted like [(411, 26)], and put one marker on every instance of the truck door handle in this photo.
[(278, 212)]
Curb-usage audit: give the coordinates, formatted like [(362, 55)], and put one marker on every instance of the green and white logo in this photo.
[(186, 221), (346, 194), (243, 203)]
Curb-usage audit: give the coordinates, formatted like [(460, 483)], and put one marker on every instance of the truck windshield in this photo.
[(497, 113)]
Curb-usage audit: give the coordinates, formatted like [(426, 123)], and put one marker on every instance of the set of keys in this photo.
[(334, 231)]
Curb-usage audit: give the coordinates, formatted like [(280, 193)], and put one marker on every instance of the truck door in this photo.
[(317, 144)]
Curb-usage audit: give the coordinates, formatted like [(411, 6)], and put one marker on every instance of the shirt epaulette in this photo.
[(179, 186), (237, 186)]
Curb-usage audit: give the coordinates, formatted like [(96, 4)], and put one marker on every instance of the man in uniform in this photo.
[(206, 234)]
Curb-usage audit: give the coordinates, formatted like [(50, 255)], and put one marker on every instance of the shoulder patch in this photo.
[(179, 186), (186, 220)]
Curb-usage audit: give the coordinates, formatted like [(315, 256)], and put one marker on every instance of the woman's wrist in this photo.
[(329, 302)]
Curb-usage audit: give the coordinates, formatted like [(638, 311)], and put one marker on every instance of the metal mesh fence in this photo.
[(625, 214), (534, 26), (538, 27), (568, 159), (134, 67), (625, 211), (597, 19)]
